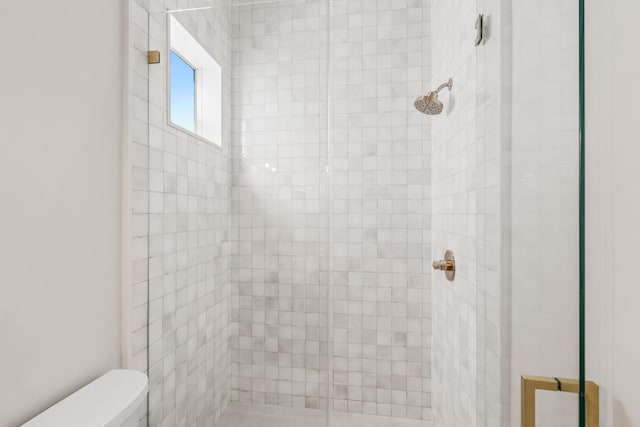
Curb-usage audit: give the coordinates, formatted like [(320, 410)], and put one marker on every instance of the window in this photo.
[(195, 86), (183, 93)]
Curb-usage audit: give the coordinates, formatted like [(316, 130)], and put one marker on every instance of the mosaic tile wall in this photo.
[(279, 233), (380, 188), (179, 224)]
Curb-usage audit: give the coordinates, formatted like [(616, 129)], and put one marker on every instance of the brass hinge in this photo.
[(153, 57)]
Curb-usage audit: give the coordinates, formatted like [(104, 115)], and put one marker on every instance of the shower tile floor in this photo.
[(254, 415)]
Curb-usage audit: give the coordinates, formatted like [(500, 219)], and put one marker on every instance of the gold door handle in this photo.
[(448, 265), (529, 384)]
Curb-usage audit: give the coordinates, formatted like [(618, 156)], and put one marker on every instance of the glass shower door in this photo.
[(189, 239), (288, 269), (529, 157), (238, 226)]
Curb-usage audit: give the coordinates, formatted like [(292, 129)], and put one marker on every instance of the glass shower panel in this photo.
[(238, 255), (545, 202), (528, 245), (493, 209), (287, 273)]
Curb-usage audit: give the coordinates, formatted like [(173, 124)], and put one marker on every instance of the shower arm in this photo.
[(443, 85)]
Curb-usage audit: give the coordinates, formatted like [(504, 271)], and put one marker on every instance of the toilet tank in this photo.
[(116, 399)]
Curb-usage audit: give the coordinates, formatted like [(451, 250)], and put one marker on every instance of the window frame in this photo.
[(208, 80)]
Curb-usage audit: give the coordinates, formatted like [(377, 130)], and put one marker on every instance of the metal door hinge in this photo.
[(479, 29), (153, 57)]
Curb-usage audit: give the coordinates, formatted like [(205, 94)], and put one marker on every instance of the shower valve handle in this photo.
[(448, 265), (444, 265)]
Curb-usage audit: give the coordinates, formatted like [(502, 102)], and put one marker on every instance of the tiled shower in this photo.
[(291, 267)]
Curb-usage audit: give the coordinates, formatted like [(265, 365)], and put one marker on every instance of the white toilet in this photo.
[(116, 399)]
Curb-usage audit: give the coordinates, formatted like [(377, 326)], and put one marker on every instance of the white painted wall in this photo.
[(60, 144), (613, 207)]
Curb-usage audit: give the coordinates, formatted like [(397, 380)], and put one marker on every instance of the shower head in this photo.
[(430, 104)]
